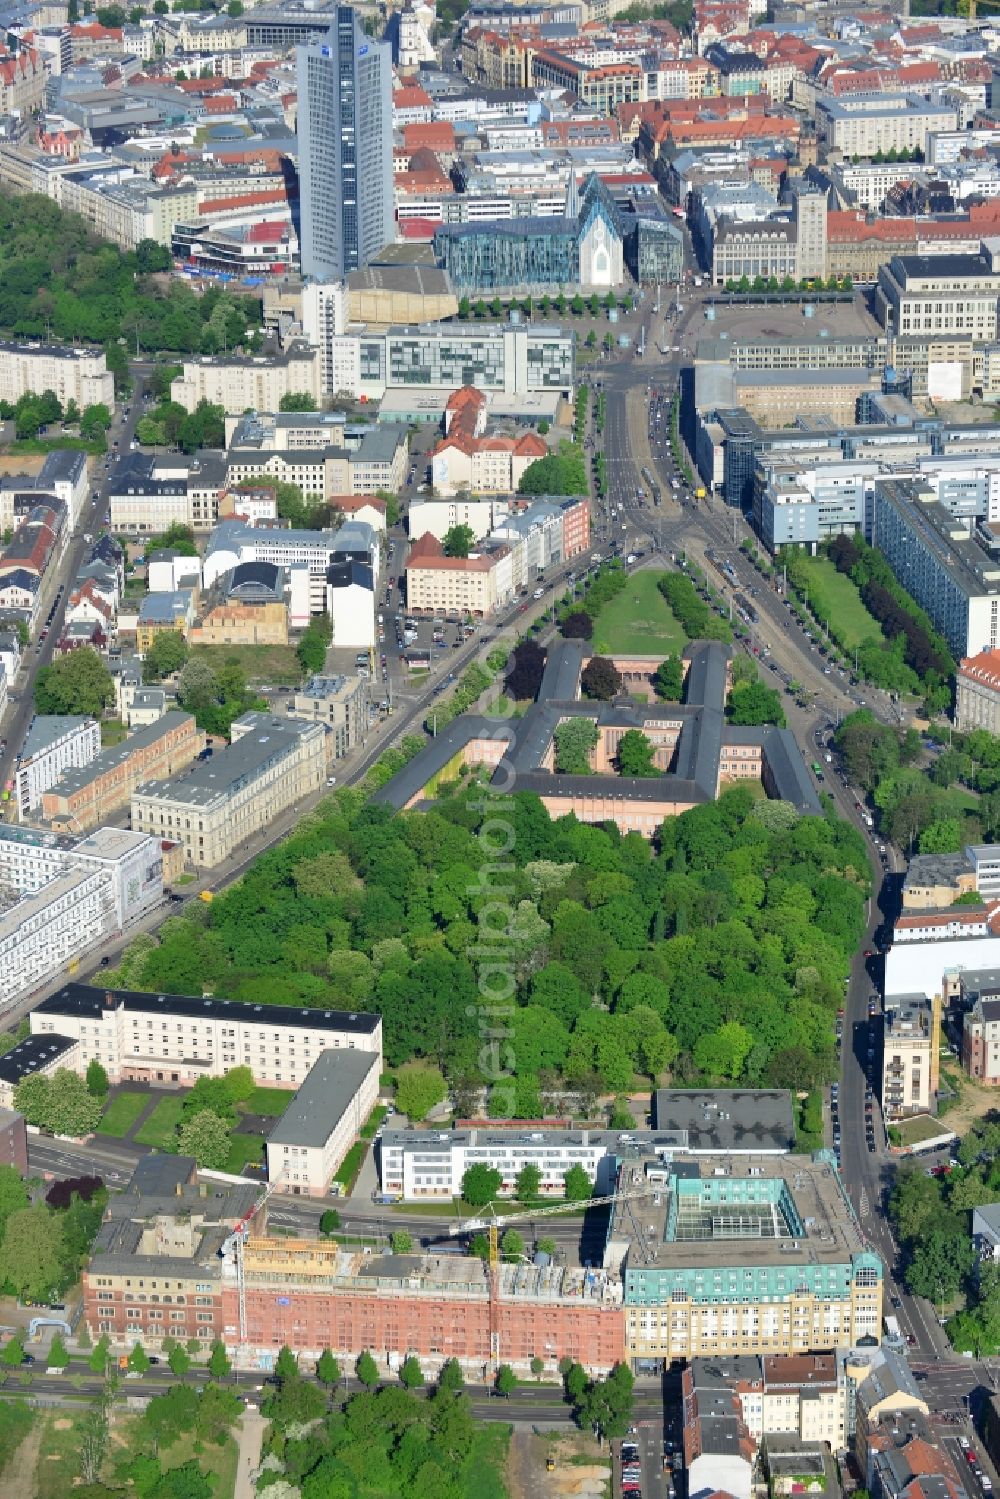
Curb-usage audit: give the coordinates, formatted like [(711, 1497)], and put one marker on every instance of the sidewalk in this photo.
[(249, 1440)]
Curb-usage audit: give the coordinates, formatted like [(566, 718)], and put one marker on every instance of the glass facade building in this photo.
[(345, 149), (500, 357)]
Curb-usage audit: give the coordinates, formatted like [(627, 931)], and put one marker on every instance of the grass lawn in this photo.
[(58, 1455), (160, 1129), (262, 663), (350, 1166), (268, 1101), (121, 1113), (922, 1127), (483, 1471), (834, 596), (374, 1120), (15, 1423), (639, 621), (113, 731), (244, 1150)]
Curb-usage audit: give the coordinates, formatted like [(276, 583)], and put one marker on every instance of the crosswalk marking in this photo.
[(863, 1208)]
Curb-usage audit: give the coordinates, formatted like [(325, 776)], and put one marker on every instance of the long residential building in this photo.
[(374, 462), (164, 1266), (83, 797), (70, 896), (321, 1123), (938, 561), (866, 124), (79, 375), (270, 765), (169, 1038), (421, 1165), (255, 382), (521, 544)]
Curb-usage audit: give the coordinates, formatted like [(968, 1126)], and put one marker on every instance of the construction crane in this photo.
[(232, 1248), (491, 1226)]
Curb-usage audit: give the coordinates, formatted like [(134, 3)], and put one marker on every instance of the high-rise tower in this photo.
[(345, 149)]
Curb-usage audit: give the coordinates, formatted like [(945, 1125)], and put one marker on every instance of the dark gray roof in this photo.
[(410, 781), (695, 773), (351, 572), (561, 677), (64, 464), (722, 1119), (47, 728), (944, 265), (31, 1054), (158, 1175), (83, 1000), (936, 869), (783, 765), (77, 777), (328, 1091), (258, 574)]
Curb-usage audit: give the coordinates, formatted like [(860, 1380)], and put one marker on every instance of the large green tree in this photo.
[(635, 754), (419, 1086), (481, 1184), (458, 541), (205, 1136), (77, 683), (31, 1252)]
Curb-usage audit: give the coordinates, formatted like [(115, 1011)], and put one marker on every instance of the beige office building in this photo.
[(271, 764), (436, 584), (977, 693), (940, 294), (173, 1038), (758, 1254), (865, 124)]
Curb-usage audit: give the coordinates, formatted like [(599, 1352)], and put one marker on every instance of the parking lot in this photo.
[(638, 1471)]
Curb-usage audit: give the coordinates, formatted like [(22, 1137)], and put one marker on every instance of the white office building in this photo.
[(69, 896), (306, 554), (419, 1164)]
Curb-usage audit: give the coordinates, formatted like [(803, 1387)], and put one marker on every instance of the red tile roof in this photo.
[(427, 552), (411, 97), (437, 135)]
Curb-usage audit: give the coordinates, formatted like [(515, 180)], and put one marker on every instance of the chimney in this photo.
[(109, 999)]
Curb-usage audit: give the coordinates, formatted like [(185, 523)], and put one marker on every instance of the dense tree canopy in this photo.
[(59, 280), (386, 1442), (625, 956)]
